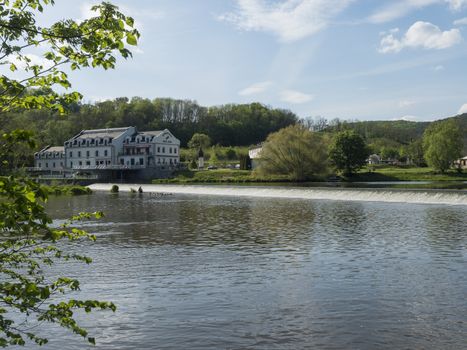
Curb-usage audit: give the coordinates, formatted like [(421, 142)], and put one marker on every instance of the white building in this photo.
[(50, 159), (255, 156), (461, 163), (122, 148), (114, 153)]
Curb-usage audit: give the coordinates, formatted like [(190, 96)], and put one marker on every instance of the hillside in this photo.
[(394, 134)]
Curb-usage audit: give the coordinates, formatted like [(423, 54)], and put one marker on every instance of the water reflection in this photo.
[(204, 272)]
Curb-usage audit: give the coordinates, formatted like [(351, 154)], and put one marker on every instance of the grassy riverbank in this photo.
[(220, 176), (449, 180), (394, 173)]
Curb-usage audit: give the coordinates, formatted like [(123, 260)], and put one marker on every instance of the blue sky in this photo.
[(358, 59)]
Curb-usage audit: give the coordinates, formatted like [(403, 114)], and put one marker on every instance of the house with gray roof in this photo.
[(115, 153)]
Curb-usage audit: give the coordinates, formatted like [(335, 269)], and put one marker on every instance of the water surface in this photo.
[(227, 272)]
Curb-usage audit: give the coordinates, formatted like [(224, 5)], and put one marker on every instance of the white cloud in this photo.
[(295, 97), (457, 5), (406, 103), (438, 68), (461, 22), (421, 35), (408, 118), (289, 20), (255, 88), (463, 109), (34, 60), (398, 9)]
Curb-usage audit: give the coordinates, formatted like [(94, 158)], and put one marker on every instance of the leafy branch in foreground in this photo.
[(27, 248), (37, 57), (69, 43)]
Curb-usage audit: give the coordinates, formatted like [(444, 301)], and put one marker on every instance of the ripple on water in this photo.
[(271, 273)]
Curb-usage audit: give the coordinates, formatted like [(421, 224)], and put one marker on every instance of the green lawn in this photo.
[(395, 173), (220, 176)]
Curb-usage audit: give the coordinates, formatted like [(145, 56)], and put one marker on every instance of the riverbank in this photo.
[(395, 177)]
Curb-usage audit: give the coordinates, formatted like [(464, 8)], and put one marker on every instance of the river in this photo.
[(235, 271)]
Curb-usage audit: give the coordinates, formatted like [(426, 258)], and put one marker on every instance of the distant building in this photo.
[(50, 159), (115, 153), (461, 163), (374, 159), (255, 155)]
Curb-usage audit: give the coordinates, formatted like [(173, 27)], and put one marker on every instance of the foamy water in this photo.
[(367, 195)]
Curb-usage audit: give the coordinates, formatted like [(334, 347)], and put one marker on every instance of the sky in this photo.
[(348, 59)]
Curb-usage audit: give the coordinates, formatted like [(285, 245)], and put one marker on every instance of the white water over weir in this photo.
[(340, 194)]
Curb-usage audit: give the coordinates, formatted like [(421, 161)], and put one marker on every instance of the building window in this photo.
[(40, 165), (170, 150), (97, 153), (163, 161), (175, 161), (175, 150), (53, 165), (105, 153), (71, 164), (71, 154), (158, 149), (87, 153), (121, 161), (88, 162), (61, 163), (132, 160), (170, 160), (141, 161), (80, 163), (163, 149), (46, 164), (79, 154)]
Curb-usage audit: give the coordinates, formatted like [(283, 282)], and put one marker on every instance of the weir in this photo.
[(446, 197)]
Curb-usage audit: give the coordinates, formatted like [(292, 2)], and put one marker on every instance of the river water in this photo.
[(197, 271)]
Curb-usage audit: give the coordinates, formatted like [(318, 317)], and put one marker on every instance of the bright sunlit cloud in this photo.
[(463, 109), (255, 88), (295, 97), (289, 20), (421, 35)]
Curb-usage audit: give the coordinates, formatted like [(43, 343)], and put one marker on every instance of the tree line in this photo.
[(226, 125)]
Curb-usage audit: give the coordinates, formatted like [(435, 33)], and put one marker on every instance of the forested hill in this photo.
[(226, 125), (391, 134), (242, 124)]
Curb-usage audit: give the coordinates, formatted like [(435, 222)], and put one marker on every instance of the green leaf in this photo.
[(30, 196), (131, 39)]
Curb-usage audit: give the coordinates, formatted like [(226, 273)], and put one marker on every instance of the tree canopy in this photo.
[(199, 141), (294, 151), (27, 243), (442, 144), (348, 152)]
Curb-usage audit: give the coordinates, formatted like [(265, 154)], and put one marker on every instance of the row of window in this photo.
[(88, 153), (171, 150), (47, 164), (135, 139), (88, 163), (88, 142), (49, 155)]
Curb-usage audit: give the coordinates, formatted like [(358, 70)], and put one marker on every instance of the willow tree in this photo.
[(28, 297), (294, 151), (442, 144)]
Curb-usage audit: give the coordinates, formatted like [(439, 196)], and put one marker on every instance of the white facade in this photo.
[(122, 148), (50, 159)]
